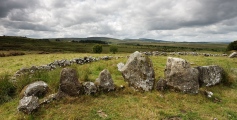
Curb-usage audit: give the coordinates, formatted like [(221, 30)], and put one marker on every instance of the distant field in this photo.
[(63, 46), (126, 104)]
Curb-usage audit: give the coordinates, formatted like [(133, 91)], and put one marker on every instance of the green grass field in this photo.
[(125, 104)]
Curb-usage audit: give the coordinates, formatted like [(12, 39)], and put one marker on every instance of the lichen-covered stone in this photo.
[(105, 81), (28, 104), (69, 83), (89, 88), (181, 76), (38, 88), (210, 75), (138, 72)]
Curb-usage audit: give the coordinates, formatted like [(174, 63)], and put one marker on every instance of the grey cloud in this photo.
[(202, 13), (159, 19), (25, 26), (8, 5)]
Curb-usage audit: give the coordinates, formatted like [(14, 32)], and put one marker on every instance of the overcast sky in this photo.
[(171, 20)]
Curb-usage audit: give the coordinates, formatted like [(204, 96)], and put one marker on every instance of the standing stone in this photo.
[(181, 76), (69, 82), (105, 81), (139, 72), (210, 75), (28, 104), (232, 55), (89, 88), (38, 88)]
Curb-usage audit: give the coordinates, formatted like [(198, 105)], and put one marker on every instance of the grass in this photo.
[(127, 103)]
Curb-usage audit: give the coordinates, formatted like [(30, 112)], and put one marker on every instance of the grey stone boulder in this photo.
[(181, 76), (105, 81), (210, 75), (232, 55), (28, 104), (161, 85), (89, 88), (38, 88), (138, 72), (69, 83)]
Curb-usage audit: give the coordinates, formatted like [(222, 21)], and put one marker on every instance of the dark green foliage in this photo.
[(97, 49), (7, 89), (92, 41), (113, 49), (2, 55), (232, 46), (16, 53), (12, 54)]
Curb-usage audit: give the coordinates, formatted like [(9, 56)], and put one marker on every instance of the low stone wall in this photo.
[(59, 63)]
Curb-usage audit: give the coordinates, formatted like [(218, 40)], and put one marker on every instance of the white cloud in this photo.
[(174, 20)]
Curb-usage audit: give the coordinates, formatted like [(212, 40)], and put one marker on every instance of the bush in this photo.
[(113, 49), (97, 49), (2, 55), (7, 89), (232, 46)]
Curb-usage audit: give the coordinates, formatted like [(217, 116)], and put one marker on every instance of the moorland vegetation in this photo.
[(125, 104)]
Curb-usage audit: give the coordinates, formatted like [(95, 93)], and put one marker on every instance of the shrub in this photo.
[(113, 49), (2, 55), (232, 46), (97, 49), (7, 89), (16, 53)]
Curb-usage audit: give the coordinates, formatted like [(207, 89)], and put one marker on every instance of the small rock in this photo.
[(161, 85), (209, 93), (28, 104), (105, 81), (120, 66), (89, 88), (50, 98), (102, 114)]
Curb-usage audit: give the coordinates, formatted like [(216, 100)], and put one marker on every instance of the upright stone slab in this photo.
[(210, 75), (69, 82), (139, 72), (105, 81), (181, 76)]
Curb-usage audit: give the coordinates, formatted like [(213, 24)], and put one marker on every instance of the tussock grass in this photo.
[(7, 89), (127, 103)]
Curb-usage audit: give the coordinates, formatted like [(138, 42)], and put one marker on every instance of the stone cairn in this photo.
[(138, 72)]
